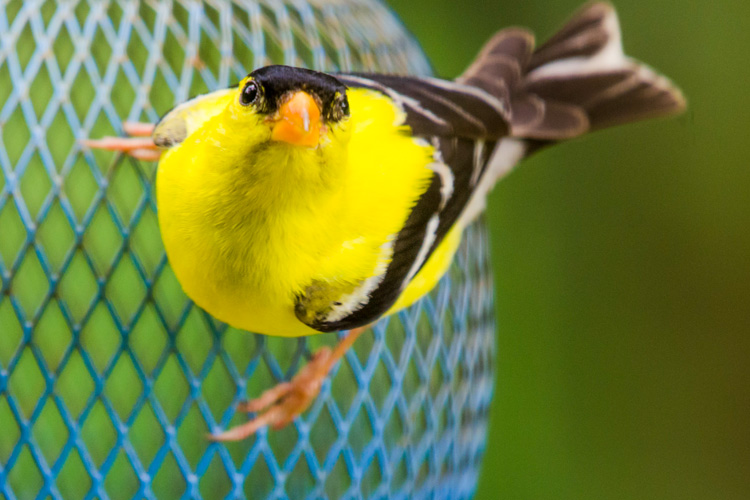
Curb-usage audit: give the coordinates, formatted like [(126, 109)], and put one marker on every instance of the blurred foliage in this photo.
[(622, 270)]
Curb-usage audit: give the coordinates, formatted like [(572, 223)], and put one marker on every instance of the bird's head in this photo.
[(292, 106)]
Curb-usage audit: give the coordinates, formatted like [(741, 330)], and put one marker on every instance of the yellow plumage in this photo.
[(245, 233)]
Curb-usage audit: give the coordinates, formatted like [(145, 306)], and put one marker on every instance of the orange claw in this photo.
[(140, 146), (280, 405), (138, 129)]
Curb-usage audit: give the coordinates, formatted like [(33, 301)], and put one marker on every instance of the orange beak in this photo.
[(298, 122)]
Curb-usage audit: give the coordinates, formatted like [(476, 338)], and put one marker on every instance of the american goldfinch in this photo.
[(300, 202)]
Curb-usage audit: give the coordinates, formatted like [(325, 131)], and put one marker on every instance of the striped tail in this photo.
[(578, 81)]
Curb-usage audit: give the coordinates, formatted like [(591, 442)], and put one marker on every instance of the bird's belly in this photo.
[(257, 315), (242, 307), (249, 291)]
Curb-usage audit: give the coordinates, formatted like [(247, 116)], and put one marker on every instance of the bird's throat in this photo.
[(279, 209)]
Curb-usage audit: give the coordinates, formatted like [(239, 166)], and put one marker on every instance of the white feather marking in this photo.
[(446, 181), (429, 239), (444, 171), (349, 304), (478, 155), (506, 155), (437, 154), (610, 57), (458, 110), (472, 91), (423, 143)]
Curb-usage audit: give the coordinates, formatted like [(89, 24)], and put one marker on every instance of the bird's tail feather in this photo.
[(579, 80)]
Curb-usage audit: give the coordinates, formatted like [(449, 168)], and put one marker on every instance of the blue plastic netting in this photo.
[(109, 376)]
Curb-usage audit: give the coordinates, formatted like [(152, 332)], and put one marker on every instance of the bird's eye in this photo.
[(249, 94), (343, 108)]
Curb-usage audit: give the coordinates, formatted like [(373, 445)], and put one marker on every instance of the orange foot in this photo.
[(139, 145), (281, 404)]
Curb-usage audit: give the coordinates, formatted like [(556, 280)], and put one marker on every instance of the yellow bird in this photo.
[(300, 202)]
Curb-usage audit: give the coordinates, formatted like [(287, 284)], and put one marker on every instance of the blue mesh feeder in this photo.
[(110, 378)]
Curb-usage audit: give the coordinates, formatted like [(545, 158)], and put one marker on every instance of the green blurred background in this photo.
[(622, 265)]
